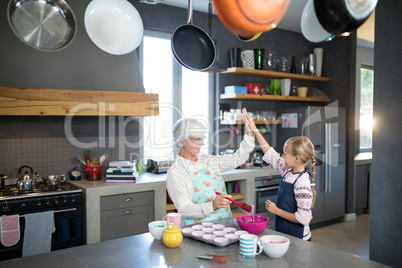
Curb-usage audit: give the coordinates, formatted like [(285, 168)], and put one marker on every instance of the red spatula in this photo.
[(219, 259), (241, 204)]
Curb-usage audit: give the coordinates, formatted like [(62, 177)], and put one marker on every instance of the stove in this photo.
[(39, 189), (65, 200)]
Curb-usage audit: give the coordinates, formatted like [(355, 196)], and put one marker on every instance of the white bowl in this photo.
[(275, 246), (157, 228)]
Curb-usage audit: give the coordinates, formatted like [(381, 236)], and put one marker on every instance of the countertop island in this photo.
[(93, 191), (143, 251)]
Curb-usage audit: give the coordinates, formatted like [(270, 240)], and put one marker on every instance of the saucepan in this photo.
[(247, 18), (114, 26), (340, 16), (53, 180), (46, 25), (192, 46)]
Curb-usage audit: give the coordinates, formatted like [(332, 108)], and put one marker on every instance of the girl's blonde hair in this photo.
[(304, 148)]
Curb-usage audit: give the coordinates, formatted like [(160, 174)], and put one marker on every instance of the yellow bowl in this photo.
[(172, 237), (302, 91)]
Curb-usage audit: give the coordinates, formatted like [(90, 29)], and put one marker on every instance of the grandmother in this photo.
[(193, 179)]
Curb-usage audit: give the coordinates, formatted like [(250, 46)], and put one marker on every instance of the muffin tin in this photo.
[(209, 237)]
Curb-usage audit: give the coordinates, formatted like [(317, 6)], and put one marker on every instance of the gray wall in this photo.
[(385, 180)]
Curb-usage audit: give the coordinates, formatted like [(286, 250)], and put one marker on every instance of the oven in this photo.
[(266, 188), (66, 202)]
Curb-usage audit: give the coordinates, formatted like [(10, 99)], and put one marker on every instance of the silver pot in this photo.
[(53, 180)]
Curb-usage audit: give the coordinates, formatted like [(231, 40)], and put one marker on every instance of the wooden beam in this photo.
[(44, 101)]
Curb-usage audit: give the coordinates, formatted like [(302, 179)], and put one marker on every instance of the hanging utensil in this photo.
[(219, 258), (46, 25), (340, 16), (191, 46), (114, 26), (247, 18)]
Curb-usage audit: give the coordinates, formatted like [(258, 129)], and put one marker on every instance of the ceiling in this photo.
[(291, 20)]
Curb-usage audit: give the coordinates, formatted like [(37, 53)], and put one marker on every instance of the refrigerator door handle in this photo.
[(328, 160)]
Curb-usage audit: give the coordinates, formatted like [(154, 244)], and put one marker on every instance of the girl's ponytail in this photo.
[(312, 180)]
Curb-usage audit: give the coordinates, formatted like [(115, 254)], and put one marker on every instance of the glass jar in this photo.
[(293, 91)]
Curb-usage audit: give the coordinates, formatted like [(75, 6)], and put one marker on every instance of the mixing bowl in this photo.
[(258, 226), (275, 246), (157, 228)]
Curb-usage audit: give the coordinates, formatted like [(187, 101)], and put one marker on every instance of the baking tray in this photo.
[(212, 242)]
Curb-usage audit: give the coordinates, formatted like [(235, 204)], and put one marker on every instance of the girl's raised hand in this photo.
[(249, 122)]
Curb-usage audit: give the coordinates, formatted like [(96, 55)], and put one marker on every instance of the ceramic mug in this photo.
[(174, 218), (248, 245), (247, 58)]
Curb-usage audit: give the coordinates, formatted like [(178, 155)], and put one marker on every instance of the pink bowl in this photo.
[(257, 227)]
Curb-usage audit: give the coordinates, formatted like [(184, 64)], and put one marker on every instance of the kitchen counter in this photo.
[(143, 251), (93, 191)]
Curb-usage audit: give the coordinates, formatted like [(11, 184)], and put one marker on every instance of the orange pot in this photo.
[(247, 18)]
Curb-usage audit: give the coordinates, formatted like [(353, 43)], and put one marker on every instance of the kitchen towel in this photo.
[(10, 230), (38, 233)]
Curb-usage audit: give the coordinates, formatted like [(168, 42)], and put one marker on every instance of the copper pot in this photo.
[(247, 18)]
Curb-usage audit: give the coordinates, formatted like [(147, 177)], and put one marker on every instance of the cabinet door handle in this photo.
[(128, 199), (128, 211)]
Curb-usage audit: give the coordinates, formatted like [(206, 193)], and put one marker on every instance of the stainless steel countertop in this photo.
[(143, 251)]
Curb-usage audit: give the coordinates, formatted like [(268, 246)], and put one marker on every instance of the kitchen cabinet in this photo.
[(274, 75), (126, 214), (66, 102)]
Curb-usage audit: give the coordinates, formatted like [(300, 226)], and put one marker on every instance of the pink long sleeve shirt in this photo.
[(302, 189)]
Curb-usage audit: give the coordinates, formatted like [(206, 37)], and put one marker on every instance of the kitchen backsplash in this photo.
[(49, 156)]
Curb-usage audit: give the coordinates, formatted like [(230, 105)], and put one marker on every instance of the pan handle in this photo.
[(190, 12)]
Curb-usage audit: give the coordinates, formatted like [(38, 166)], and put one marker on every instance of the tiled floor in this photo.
[(350, 236)]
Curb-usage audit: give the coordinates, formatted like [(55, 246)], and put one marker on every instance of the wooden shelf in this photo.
[(278, 75), (170, 207), (257, 122), (234, 96), (67, 102)]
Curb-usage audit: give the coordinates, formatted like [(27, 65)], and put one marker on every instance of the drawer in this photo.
[(126, 200), (125, 222)]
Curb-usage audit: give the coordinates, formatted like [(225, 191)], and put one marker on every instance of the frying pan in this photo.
[(46, 25), (247, 18), (191, 46), (340, 16), (114, 26)]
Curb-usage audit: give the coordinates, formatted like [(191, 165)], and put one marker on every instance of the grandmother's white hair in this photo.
[(186, 128)]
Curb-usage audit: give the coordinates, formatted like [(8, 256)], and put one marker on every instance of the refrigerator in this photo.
[(326, 128)]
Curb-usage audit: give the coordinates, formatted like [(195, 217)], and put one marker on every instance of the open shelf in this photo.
[(271, 74), (234, 96), (68, 102)]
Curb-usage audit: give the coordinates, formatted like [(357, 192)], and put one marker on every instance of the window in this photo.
[(366, 108), (182, 93)]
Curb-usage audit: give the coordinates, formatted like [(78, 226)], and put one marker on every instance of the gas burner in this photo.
[(39, 188)]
